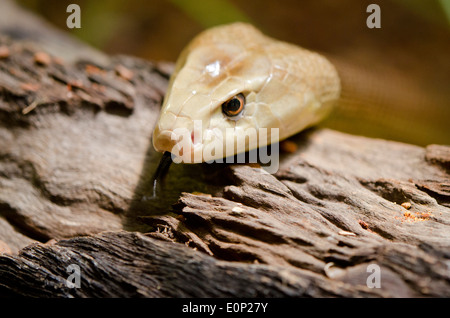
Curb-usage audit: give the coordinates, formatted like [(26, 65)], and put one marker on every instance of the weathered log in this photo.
[(62, 128), (125, 264), (75, 169)]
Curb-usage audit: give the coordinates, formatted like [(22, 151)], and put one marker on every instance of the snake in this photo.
[(231, 78)]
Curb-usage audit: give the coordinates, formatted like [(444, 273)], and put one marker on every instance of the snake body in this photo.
[(285, 87)]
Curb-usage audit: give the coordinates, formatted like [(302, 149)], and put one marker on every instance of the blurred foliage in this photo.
[(412, 44), (446, 8), (131, 26), (126, 26), (437, 11), (211, 12)]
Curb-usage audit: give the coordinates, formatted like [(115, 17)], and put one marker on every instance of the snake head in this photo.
[(282, 86)]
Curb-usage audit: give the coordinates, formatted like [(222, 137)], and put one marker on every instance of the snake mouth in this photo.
[(162, 140), (185, 147)]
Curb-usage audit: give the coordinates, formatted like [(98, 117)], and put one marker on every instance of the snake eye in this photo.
[(234, 106)]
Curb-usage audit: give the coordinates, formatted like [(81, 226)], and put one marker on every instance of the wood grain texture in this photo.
[(75, 182)]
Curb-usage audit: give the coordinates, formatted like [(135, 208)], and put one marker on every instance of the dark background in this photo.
[(406, 62)]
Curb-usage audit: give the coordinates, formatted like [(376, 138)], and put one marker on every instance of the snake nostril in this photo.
[(196, 137)]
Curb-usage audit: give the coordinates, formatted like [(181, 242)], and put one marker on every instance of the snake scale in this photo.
[(235, 77)]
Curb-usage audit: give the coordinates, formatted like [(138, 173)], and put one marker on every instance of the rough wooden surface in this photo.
[(75, 182)]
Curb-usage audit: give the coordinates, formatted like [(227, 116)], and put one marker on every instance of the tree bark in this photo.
[(76, 162)]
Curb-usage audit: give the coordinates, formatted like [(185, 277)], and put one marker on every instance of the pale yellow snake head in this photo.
[(278, 85)]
